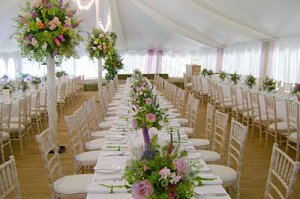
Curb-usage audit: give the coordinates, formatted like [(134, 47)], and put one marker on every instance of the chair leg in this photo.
[(266, 142), (2, 154), (21, 142)]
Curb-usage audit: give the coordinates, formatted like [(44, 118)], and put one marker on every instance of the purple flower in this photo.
[(148, 101), (141, 190), (34, 15), (55, 53), (181, 166), (29, 37), (134, 123)]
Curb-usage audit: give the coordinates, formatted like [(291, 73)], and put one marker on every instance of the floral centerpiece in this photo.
[(36, 81), (222, 75), (4, 78), (9, 86), (250, 81), (210, 73), (296, 91), (47, 27), (235, 78), (204, 72), (24, 85), (268, 84), (60, 74), (99, 43)]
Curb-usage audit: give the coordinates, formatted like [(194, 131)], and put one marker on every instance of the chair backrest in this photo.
[(188, 107), (245, 104), (95, 109), (9, 179), (87, 106), (284, 171), (83, 123), (293, 116), (238, 136), (5, 113), (287, 87), (74, 134), (233, 94), (24, 113), (51, 161), (194, 112), (271, 113), (255, 104), (219, 135), (210, 121)]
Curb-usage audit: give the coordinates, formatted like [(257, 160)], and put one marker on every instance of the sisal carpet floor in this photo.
[(34, 183)]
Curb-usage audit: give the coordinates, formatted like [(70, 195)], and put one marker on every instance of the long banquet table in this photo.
[(119, 146)]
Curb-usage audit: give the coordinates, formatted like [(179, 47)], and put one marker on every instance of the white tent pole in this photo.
[(51, 96), (97, 3)]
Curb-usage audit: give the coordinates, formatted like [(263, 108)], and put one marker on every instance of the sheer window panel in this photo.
[(174, 64), (243, 59), (87, 67), (134, 60), (33, 68), (68, 65), (2, 68), (286, 60), (11, 68), (208, 59)]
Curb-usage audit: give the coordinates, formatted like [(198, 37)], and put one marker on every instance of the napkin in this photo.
[(111, 162), (115, 147), (209, 189), (216, 181), (95, 187)]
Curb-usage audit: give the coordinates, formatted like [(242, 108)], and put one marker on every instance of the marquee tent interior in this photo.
[(257, 37)]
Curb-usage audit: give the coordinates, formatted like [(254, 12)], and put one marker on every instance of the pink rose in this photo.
[(164, 173), (57, 41), (141, 190), (150, 117), (148, 101)]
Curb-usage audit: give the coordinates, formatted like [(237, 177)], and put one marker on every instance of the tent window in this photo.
[(2, 68), (11, 68)]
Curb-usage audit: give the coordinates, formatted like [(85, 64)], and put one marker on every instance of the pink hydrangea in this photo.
[(141, 190), (148, 101), (54, 23), (164, 173), (181, 166), (150, 117)]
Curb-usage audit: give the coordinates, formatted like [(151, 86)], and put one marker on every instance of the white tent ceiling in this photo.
[(182, 25)]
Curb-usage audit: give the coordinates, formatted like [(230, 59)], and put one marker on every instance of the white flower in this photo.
[(44, 47), (101, 35), (95, 42), (94, 48), (34, 42)]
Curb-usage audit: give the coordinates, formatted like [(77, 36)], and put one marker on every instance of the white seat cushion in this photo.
[(112, 109), (173, 110), (263, 118), (16, 120), (73, 184), (245, 114), (225, 173), (240, 108), (281, 126), (15, 126), (88, 158), (111, 118), (176, 115), (210, 156), (95, 144), (105, 125), (199, 142), (182, 121), (99, 134), (189, 84), (293, 137), (5, 135), (189, 131)]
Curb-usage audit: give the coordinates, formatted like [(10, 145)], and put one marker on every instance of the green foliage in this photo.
[(250, 81), (222, 75), (235, 77), (269, 84), (113, 63)]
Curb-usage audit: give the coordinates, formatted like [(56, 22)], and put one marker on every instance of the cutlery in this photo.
[(204, 195), (117, 179)]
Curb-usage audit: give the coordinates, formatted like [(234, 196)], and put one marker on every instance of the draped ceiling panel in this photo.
[(180, 25)]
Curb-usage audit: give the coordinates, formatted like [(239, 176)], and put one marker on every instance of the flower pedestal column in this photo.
[(51, 99), (99, 79)]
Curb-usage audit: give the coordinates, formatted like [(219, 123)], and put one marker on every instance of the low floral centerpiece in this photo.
[(204, 72), (235, 78), (36, 81), (9, 86), (250, 81), (210, 73), (60, 74), (222, 75), (268, 84), (161, 172), (296, 91)]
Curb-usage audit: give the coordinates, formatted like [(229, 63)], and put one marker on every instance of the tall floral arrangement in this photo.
[(99, 43), (269, 84), (47, 28)]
